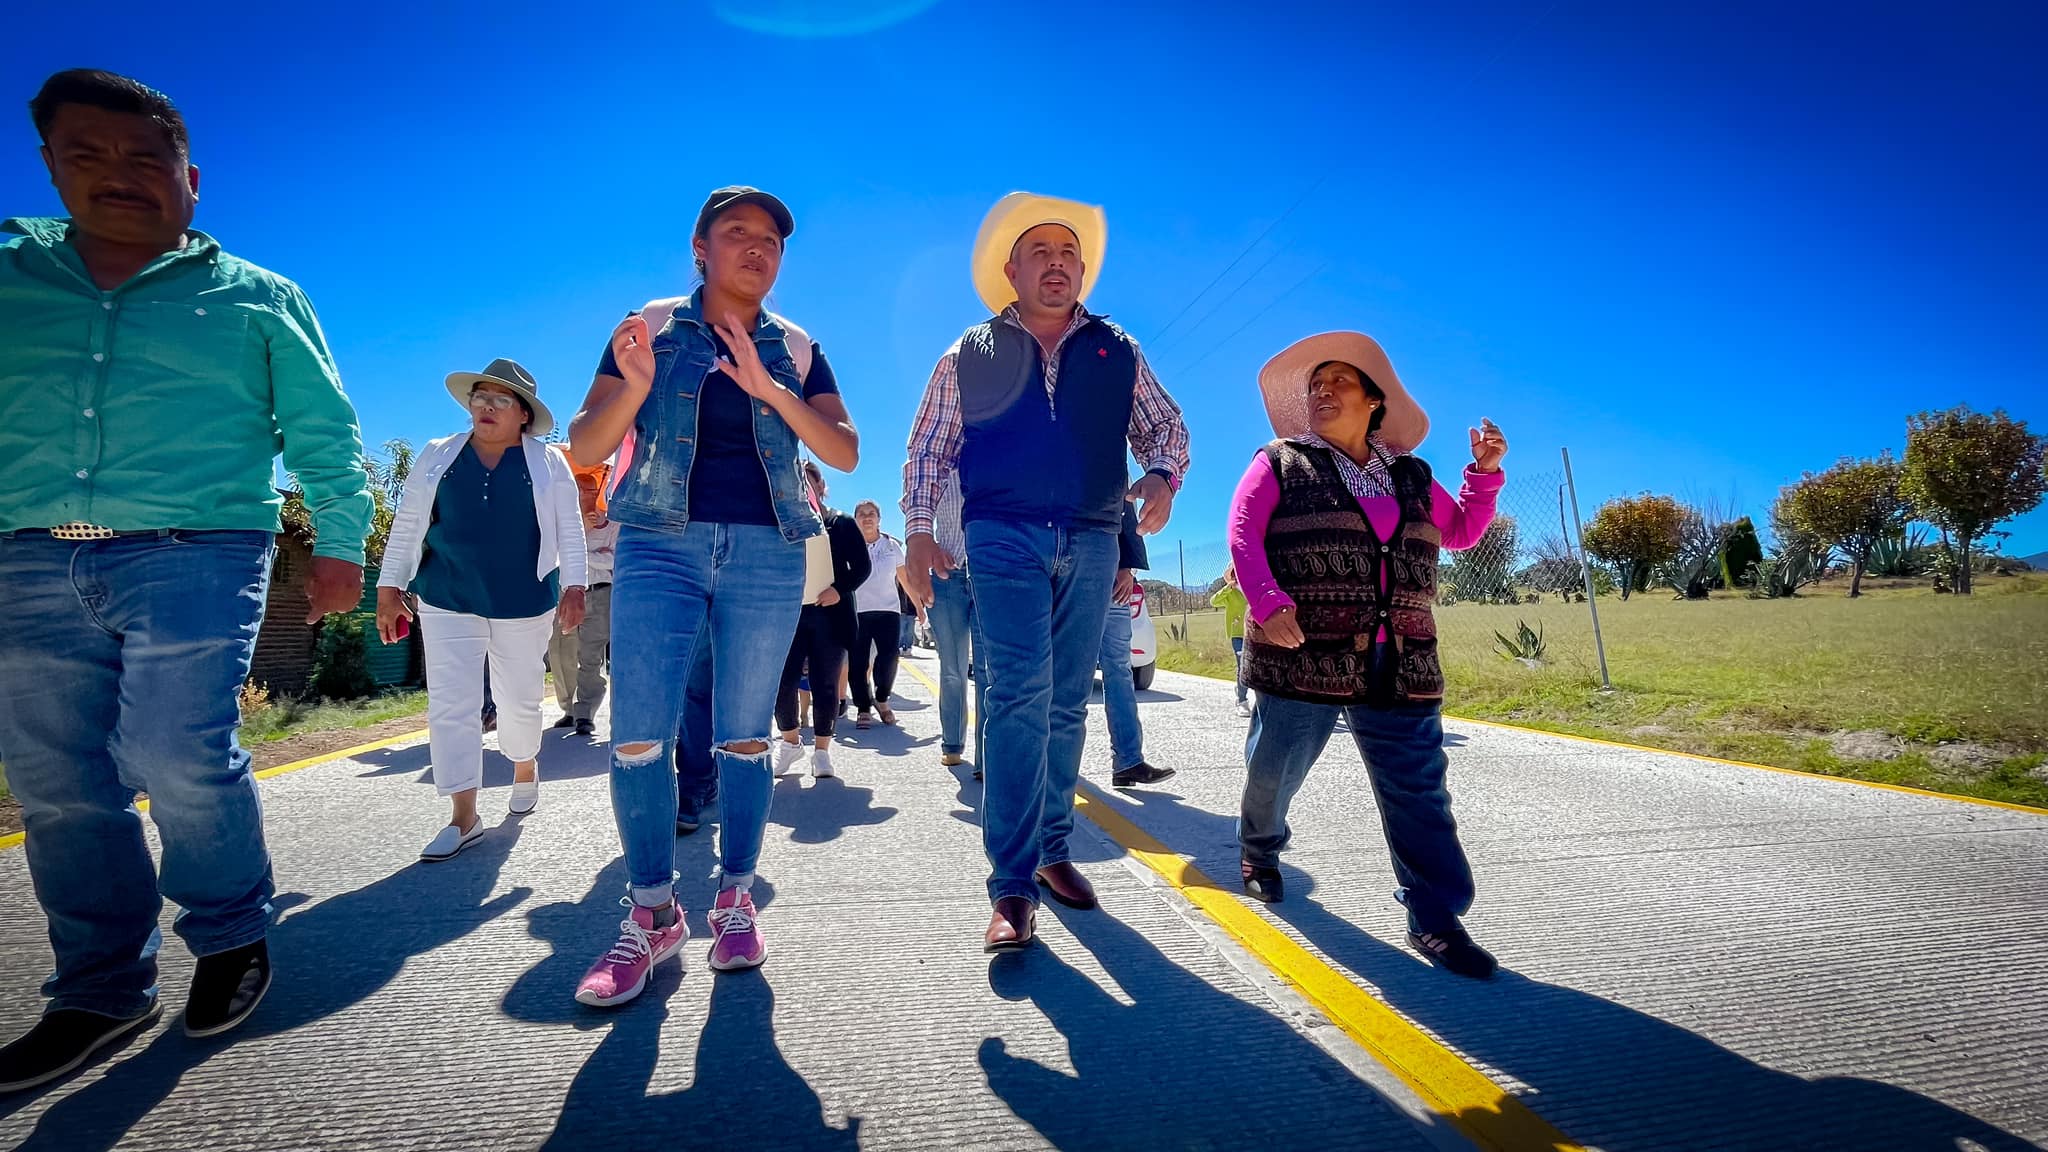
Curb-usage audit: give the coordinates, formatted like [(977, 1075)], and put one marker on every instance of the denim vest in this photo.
[(650, 487)]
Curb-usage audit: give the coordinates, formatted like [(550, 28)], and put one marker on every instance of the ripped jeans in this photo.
[(745, 584)]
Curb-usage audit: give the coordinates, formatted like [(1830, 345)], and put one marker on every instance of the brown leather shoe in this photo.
[(1067, 885), (1013, 926)]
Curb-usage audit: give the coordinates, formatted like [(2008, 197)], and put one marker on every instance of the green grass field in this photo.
[(294, 718), (1960, 684)]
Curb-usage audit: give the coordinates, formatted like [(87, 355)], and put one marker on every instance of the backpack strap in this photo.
[(798, 342)]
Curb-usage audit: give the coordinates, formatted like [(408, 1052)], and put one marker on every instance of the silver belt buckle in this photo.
[(79, 530)]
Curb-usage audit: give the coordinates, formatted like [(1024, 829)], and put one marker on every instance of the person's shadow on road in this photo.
[(327, 957), (1153, 1073), (1606, 1074), (744, 1091), (819, 813)]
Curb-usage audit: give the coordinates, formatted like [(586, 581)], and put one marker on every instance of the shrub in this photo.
[(341, 660), (254, 700), (1636, 535), (1739, 553)]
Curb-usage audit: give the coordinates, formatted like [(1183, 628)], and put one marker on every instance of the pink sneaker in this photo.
[(735, 937), (621, 973)]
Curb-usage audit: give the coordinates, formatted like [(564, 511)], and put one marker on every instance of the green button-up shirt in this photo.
[(162, 403)]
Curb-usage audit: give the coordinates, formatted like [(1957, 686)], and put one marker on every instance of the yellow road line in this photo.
[(1910, 791), (1448, 1086), (1463, 1095), (13, 838)]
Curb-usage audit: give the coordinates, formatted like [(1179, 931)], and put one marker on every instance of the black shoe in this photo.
[(1140, 773), (585, 728), (1454, 951), (226, 987), (1262, 882), (61, 1041), (567, 721), (690, 814)]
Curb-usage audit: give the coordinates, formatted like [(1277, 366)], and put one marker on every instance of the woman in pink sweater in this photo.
[(1335, 533)]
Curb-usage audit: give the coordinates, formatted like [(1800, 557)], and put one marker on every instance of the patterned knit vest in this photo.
[(1327, 558)]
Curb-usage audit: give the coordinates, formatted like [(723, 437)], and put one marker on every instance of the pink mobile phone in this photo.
[(404, 627)]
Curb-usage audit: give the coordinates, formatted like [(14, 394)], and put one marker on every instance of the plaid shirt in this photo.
[(947, 527), (1158, 436)]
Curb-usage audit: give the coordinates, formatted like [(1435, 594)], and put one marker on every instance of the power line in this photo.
[(1155, 349), (1254, 317), (1256, 241)]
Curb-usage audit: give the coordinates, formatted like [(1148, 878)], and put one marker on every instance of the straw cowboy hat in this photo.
[(1284, 380), (1018, 213), (505, 374)]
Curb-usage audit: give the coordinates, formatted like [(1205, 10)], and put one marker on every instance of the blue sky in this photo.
[(1704, 246)]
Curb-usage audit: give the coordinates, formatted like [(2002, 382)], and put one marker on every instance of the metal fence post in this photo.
[(1586, 568), (1182, 546)]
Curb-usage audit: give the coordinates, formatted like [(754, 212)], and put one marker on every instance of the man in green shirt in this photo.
[(147, 382)]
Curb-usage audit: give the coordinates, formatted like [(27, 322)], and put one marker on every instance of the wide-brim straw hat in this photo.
[(506, 374), (1284, 380), (1020, 212)]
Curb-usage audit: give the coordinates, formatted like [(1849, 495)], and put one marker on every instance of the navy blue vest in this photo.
[(1029, 458)]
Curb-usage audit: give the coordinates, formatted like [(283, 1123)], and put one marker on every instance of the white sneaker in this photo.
[(786, 756), (526, 795), (1244, 708), (821, 765), (450, 840)]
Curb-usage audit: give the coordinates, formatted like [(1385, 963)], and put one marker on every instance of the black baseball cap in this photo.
[(727, 197)]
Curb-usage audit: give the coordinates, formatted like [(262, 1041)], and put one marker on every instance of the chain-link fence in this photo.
[(1518, 594)]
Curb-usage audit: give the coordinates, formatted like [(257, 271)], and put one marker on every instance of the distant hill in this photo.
[(2037, 561)]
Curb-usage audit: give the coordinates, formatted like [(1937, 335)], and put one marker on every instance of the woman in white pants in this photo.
[(489, 536)]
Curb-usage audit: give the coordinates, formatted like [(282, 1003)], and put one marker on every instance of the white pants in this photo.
[(457, 646)]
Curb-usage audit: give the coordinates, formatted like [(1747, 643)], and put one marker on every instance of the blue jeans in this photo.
[(120, 665), (1119, 691), (1042, 648), (739, 586), (906, 631), (696, 775), (1403, 748), (955, 628), (1237, 646)]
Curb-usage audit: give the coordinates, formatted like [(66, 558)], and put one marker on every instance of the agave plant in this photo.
[(1898, 556), (1526, 645), (1785, 574)]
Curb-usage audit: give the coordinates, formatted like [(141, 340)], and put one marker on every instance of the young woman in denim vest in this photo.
[(1334, 535), (705, 402)]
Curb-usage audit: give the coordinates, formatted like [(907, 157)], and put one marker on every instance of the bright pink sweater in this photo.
[(1461, 522)]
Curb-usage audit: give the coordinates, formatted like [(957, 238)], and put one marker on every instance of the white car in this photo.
[(1144, 641)]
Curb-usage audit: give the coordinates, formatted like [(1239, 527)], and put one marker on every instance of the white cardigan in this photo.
[(554, 504)]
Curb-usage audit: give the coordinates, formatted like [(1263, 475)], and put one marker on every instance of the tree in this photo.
[(386, 482), (1851, 506), (1484, 573), (1635, 534), (1740, 554), (1555, 569), (1967, 472)]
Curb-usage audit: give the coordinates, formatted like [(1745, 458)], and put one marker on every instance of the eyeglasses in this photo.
[(496, 401)]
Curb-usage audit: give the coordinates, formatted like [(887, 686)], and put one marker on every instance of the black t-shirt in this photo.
[(727, 485)]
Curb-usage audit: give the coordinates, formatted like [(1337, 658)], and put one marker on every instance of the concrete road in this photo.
[(1697, 956)]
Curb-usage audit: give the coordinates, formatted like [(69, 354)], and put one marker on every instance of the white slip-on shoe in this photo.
[(450, 840), (821, 765), (526, 795), (786, 756)]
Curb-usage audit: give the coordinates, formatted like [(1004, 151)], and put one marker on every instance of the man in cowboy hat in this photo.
[(148, 380), (1035, 408)]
